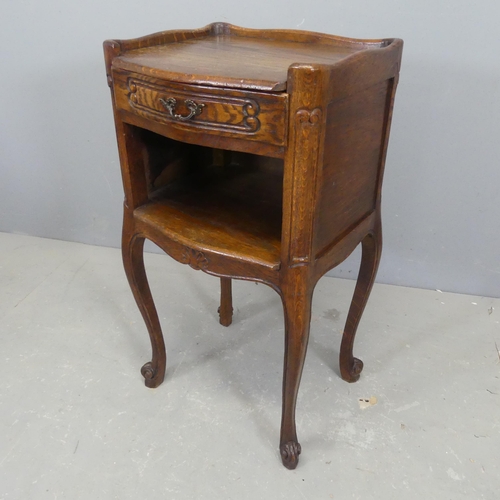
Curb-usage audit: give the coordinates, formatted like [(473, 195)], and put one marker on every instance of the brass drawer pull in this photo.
[(194, 109)]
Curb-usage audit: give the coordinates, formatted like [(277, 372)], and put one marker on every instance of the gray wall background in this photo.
[(59, 171)]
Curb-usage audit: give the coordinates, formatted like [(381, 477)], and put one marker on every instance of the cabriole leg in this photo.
[(297, 310), (351, 367), (132, 252)]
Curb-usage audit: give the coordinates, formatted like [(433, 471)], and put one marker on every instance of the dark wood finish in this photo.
[(255, 116), (226, 302), (132, 252), (222, 55), (257, 155)]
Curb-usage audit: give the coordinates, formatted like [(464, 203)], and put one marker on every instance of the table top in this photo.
[(236, 60)]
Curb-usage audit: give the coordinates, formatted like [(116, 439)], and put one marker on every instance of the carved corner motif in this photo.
[(132, 87), (290, 452), (251, 109), (307, 136), (309, 116), (195, 259)]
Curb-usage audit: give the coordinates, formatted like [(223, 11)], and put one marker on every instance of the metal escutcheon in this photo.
[(194, 109)]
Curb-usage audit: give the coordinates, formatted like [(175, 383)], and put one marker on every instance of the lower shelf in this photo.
[(229, 212)]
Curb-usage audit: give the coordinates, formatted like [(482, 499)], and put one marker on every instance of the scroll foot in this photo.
[(290, 452), (227, 318), (152, 377), (352, 372)]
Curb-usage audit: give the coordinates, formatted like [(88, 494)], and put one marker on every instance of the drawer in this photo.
[(255, 116)]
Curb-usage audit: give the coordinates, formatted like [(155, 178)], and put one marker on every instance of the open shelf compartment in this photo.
[(214, 200)]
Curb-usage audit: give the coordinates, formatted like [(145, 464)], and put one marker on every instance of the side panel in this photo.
[(352, 162)]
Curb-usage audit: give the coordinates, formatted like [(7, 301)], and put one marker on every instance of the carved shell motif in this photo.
[(195, 259)]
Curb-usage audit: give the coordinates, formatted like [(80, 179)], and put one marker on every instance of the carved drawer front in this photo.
[(253, 115)]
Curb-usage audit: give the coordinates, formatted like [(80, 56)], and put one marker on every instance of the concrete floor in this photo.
[(76, 421)]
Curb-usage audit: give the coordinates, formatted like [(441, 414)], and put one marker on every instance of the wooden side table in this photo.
[(257, 155)]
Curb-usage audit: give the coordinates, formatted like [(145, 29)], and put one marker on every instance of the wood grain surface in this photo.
[(257, 155)]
